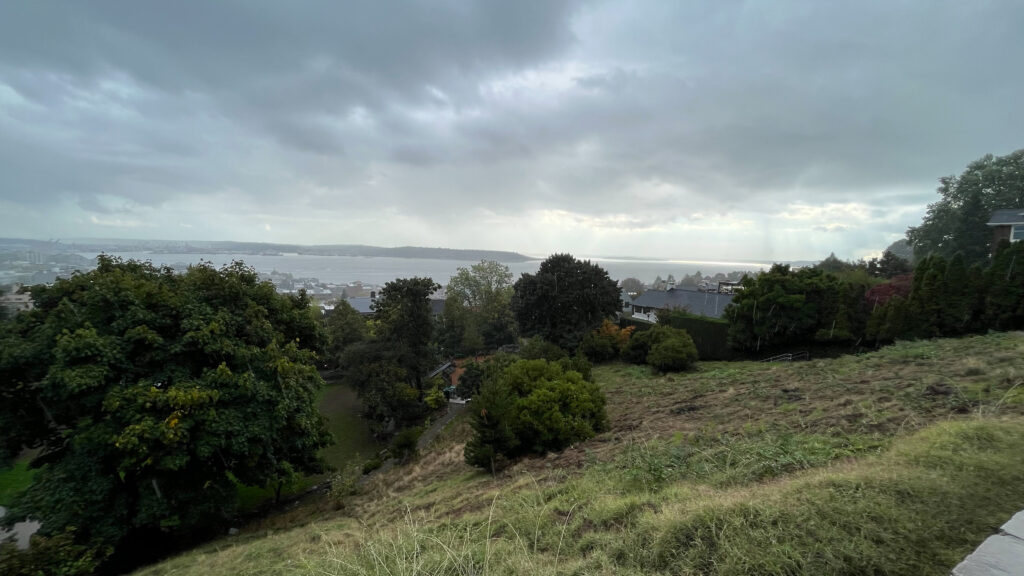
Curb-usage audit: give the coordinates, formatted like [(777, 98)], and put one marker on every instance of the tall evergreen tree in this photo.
[(956, 298), (564, 300), (1004, 306)]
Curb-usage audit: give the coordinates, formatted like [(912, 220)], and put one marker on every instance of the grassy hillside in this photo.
[(896, 462)]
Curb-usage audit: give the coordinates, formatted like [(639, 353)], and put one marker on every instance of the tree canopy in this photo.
[(957, 221), (149, 394), (783, 307), (564, 300), (477, 315), (388, 371), (343, 327)]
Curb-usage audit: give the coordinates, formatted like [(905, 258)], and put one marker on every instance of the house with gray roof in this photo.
[(364, 305), (710, 304), (1007, 224)]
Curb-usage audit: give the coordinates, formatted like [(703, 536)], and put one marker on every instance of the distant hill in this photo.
[(227, 247)]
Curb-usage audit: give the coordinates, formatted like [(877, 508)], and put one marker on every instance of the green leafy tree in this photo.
[(149, 394), (388, 371), (390, 396), (479, 298), (406, 324), (564, 300), (956, 222), (343, 326), (482, 285)]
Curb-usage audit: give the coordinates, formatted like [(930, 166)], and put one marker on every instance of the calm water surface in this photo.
[(341, 269)]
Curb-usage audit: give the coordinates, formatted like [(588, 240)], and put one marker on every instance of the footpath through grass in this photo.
[(897, 462)]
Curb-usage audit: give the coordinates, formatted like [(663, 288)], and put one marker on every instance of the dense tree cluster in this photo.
[(888, 266), (957, 222), (783, 307), (149, 394), (949, 299)]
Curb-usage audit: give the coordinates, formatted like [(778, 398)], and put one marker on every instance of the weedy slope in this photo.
[(895, 462)]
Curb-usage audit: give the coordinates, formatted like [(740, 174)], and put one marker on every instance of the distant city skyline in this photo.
[(726, 131)]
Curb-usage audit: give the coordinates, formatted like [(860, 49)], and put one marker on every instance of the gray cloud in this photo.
[(612, 118)]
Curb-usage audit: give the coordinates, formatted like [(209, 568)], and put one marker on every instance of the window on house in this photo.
[(1017, 233)]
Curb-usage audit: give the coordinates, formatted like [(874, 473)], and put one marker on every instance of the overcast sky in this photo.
[(710, 129)]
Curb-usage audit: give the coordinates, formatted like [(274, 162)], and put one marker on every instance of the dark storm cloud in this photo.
[(609, 115)]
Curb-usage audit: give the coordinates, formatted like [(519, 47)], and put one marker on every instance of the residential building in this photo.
[(710, 304), (1007, 224)]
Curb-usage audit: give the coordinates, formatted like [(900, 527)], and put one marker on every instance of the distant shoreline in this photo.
[(88, 245)]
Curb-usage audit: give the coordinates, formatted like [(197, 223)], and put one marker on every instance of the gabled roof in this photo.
[(1007, 217), (710, 304)]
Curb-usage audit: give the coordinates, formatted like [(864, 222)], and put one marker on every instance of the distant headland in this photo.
[(97, 245)]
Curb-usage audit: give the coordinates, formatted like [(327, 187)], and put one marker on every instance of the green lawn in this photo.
[(353, 443), (14, 480)]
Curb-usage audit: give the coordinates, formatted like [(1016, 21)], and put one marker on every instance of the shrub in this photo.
[(537, 348), (598, 348), (403, 446), (372, 464), (673, 354), (57, 555), (580, 364), (534, 406), (345, 483), (666, 348), (639, 346), (435, 397), (605, 343)]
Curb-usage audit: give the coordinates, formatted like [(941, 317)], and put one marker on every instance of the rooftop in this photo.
[(710, 304), (1007, 217)]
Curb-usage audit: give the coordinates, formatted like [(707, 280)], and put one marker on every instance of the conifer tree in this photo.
[(1004, 306), (955, 298)]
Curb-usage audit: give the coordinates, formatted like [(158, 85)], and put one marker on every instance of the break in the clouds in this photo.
[(763, 130)]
